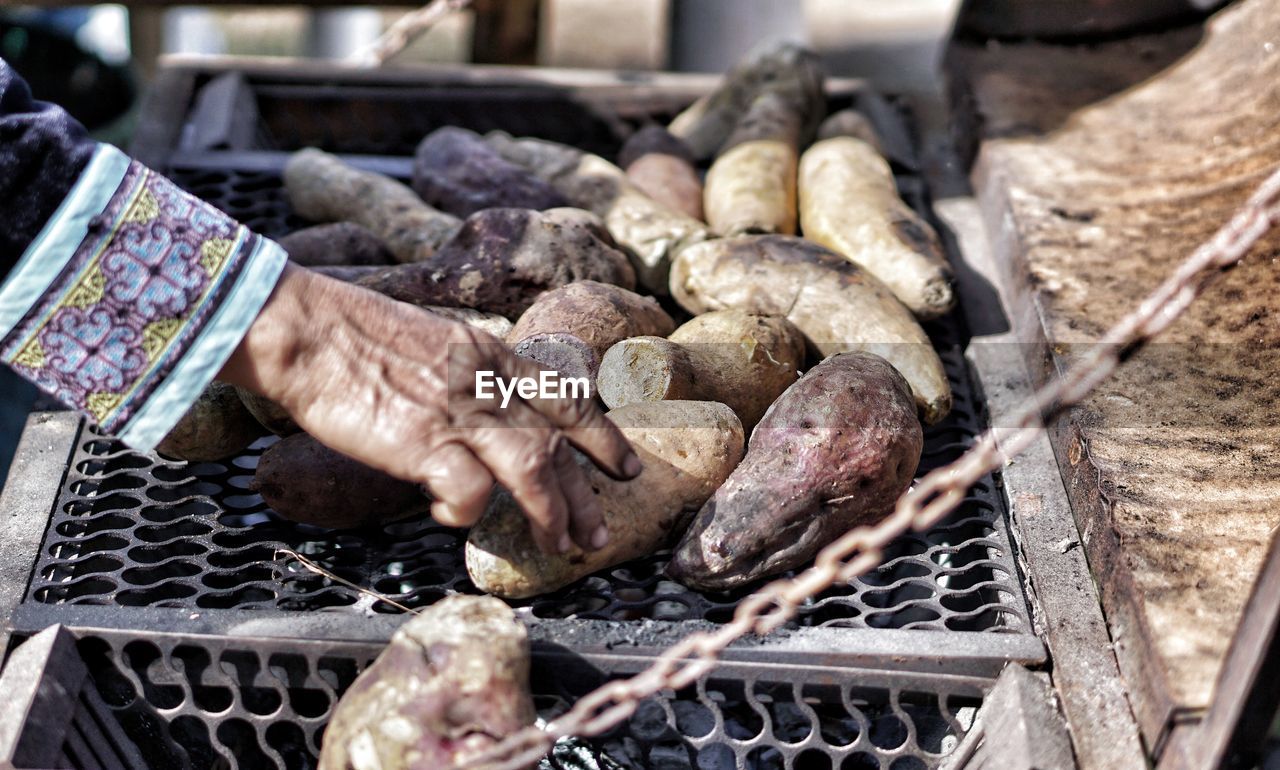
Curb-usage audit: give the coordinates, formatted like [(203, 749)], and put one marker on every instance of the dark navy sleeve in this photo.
[(43, 150)]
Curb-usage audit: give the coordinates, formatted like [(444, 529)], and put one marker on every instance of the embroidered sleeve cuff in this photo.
[(132, 297)]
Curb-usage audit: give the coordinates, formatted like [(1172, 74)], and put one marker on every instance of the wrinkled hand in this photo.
[(393, 386)]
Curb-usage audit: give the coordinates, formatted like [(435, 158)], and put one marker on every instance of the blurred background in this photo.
[(96, 60)]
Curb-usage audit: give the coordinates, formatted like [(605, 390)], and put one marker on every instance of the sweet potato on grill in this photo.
[(662, 167), (833, 453), (751, 187), (268, 413), (688, 449), (340, 243), (453, 681), (323, 188), (849, 203), (455, 171), (307, 482), (837, 305), (740, 359), (569, 329), (783, 68), (217, 426), (503, 259), (650, 231)]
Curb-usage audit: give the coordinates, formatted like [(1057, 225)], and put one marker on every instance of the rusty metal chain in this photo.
[(937, 495), (405, 30)]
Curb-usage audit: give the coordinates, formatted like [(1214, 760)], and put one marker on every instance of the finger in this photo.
[(521, 460), (460, 483), (586, 516), (585, 426)]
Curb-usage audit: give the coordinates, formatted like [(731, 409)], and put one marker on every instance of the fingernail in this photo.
[(565, 543), (632, 465), (600, 538)]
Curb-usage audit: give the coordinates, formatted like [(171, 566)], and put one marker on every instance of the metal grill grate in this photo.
[(209, 701), (136, 530)]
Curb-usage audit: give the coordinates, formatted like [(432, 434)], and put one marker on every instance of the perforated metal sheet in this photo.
[(207, 702), (138, 530)]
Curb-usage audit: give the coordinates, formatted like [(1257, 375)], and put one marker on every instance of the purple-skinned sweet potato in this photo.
[(834, 452), (453, 681), (457, 172), (335, 244), (307, 482), (569, 329)]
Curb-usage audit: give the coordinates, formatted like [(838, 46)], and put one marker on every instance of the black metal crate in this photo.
[(130, 548)]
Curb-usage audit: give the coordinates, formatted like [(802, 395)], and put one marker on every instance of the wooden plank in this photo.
[(1246, 698), (1093, 190)]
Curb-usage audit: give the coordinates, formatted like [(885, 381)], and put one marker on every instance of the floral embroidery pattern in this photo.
[(137, 292)]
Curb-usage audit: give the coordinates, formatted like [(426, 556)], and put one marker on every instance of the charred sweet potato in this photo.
[(833, 453), (837, 305), (781, 68), (503, 259), (457, 172), (453, 681), (751, 187), (217, 426), (307, 482), (688, 449), (740, 359), (323, 188), (340, 243), (650, 232)]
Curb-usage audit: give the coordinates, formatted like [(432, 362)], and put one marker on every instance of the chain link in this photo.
[(927, 503)]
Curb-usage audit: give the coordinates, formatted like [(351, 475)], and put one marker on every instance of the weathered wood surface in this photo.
[(1095, 185)]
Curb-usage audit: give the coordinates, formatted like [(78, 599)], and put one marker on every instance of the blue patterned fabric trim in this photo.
[(49, 253), (207, 354), (131, 290)]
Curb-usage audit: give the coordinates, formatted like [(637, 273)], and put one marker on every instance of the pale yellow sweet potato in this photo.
[(834, 303), (849, 203), (751, 187), (740, 359), (688, 449)]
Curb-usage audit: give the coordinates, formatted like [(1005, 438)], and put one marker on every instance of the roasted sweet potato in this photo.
[(503, 259), (662, 167), (688, 449), (307, 482), (569, 329), (751, 187), (457, 172), (217, 426), (650, 232), (837, 305), (322, 188), (849, 203), (833, 453), (340, 243), (740, 359), (782, 68), (268, 413), (453, 681)]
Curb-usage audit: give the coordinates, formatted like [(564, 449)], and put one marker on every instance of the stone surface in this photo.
[(1095, 183)]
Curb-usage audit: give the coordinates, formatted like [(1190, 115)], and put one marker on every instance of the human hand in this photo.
[(393, 386)]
